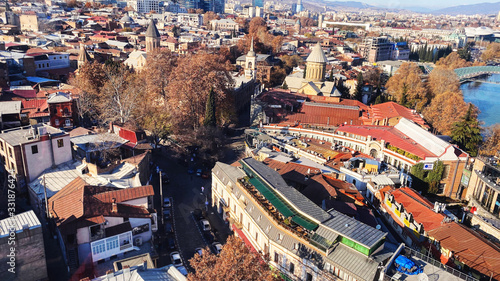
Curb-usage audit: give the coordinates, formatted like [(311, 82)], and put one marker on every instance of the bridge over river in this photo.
[(467, 73)]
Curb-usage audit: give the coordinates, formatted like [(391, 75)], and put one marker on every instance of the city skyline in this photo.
[(424, 4)]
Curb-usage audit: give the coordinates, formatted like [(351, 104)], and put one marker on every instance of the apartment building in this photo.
[(303, 241), (376, 49), (28, 151)]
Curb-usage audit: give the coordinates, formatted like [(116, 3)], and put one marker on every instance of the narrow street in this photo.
[(186, 192)]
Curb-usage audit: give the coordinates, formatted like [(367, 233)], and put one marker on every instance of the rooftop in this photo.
[(18, 223), (28, 134)]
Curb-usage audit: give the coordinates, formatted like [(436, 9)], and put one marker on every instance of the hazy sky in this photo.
[(422, 3)]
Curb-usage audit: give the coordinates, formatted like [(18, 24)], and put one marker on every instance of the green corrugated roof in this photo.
[(305, 223), (281, 205)]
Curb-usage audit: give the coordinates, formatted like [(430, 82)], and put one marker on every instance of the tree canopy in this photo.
[(235, 262), (445, 110), (467, 132), (407, 88)]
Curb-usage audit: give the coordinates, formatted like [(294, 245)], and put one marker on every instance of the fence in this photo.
[(409, 252)]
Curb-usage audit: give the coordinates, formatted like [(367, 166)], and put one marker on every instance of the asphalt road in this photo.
[(187, 196)]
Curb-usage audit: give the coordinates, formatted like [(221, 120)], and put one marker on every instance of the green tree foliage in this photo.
[(358, 93), (467, 133), (427, 181), (210, 119)]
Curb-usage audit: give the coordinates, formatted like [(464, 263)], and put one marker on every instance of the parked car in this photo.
[(169, 227), (209, 237), (205, 225), (198, 251), (167, 214), (167, 202), (217, 247), (198, 214), (206, 175), (198, 172), (176, 258)]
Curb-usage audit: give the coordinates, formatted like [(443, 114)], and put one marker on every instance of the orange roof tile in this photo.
[(125, 194), (469, 248), (419, 206)]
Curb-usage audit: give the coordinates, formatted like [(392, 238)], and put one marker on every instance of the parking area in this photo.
[(180, 230)]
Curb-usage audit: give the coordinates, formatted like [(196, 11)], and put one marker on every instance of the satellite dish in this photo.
[(378, 227), (423, 277)]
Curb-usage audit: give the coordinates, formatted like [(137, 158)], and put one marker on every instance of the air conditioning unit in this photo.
[(138, 241)]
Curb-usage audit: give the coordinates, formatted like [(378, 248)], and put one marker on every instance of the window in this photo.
[(292, 268), (280, 236), (56, 121), (1, 145), (309, 277), (256, 237), (34, 149), (248, 227), (276, 257), (60, 143), (111, 244), (98, 248), (10, 152)]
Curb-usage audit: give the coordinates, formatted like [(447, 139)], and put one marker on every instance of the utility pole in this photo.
[(45, 194), (161, 198)]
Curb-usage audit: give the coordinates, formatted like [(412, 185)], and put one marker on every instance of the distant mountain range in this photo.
[(481, 8)]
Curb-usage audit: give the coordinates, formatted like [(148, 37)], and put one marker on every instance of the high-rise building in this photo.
[(258, 3), (299, 8), (145, 6)]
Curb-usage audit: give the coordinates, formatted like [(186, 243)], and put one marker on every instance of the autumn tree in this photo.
[(157, 73), (467, 133), (443, 80), (445, 110), (492, 52), (190, 85), (209, 16), (373, 76), (304, 21), (452, 61), (289, 62), (491, 146), (120, 94), (235, 262), (407, 88), (90, 79)]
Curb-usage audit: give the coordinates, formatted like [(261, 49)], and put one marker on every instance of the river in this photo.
[(486, 96)]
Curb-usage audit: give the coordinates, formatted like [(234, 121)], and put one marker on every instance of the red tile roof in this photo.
[(469, 248), (79, 204), (392, 109), (391, 136), (27, 94), (125, 194), (419, 206), (323, 115)]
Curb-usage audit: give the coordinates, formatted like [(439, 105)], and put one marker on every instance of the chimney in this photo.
[(126, 272), (114, 207), (110, 274)]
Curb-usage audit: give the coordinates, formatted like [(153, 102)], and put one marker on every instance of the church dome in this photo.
[(317, 55), (126, 19)]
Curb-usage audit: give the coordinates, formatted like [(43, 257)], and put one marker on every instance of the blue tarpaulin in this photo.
[(407, 266)]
